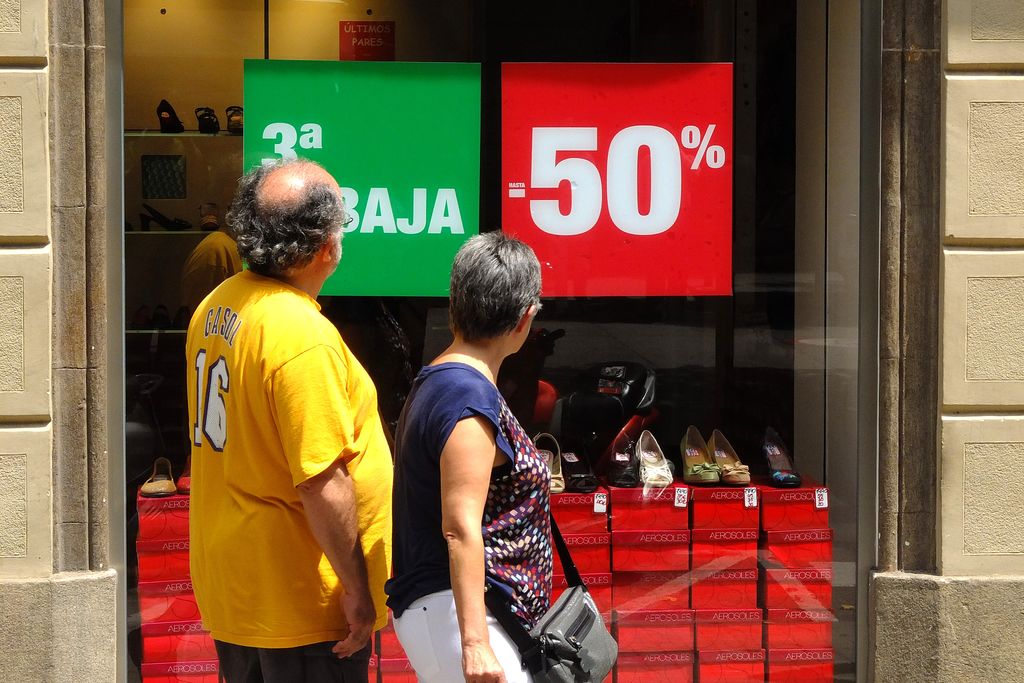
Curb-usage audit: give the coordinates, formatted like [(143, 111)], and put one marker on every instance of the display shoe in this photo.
[(208, 121), (579, 477), (181, 318), (234, 114), (208, 216), (733, 471), (169, 121), (152, 215), (774, 450), (553, 459), (161, 483), (624, 465), (655, 469), (184, 485), (698, 467)]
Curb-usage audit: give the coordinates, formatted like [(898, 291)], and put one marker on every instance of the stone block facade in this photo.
[(58, 625)]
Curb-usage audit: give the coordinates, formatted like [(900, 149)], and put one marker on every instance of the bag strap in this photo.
[(572, 575), (530, 650)]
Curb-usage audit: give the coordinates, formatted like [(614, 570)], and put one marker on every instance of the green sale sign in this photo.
[(403, 141)]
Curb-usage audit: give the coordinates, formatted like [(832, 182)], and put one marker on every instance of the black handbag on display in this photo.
[(570, 643)]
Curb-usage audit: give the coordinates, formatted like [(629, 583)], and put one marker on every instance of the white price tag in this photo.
[(622, 457), (750, 497), (570, 457), (600, 502), (682, 497), (821, 498)]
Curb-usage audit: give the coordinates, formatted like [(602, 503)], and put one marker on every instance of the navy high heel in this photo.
[(779, 461)]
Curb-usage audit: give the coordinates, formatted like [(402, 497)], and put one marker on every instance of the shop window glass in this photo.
[(701, 581)]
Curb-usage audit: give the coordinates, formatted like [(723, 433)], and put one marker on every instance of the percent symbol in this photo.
[(712, 155)]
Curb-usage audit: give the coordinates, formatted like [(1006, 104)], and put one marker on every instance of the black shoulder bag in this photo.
[(570, 643)]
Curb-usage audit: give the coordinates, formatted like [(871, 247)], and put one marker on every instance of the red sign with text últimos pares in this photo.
[(620, 176)]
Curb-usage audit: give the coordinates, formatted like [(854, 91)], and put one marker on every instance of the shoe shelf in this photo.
[(155, 331), (163, 231), (183, 134)]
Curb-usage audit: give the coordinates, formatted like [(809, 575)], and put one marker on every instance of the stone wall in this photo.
[(947, 603), (57, 591)]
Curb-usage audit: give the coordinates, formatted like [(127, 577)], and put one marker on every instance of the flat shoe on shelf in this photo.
[(553, 459), (579, 477), (698, 467), (161, 483), (733, 471), (655, 470), (184, 485)]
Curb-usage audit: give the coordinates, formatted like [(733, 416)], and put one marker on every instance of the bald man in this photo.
[(291, 471)]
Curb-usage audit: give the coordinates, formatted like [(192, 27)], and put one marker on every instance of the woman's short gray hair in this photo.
[(276, 237), (495, 279)]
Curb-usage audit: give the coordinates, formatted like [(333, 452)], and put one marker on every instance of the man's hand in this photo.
[(330, 504), (479, 665), (360, 615)]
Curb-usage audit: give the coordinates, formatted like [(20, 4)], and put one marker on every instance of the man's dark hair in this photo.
[(276, 237), (495, 279)]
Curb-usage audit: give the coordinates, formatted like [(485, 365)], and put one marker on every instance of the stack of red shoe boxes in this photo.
[(582, 519), (390, 657), (653, 622), (174, 645), (724, 584), (797, 589)]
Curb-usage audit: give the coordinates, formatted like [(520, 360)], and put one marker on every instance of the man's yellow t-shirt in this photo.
[(274, 398)]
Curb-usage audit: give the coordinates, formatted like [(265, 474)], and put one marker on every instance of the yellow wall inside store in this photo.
[(192, 54)]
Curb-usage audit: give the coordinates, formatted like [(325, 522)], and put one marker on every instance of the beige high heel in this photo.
[(554, 460), (733, 471)]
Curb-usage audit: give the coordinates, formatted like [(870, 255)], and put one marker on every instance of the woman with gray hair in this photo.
[(471, 492)]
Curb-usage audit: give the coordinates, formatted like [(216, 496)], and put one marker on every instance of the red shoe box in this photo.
[(176, 641), (163, 560), (167, 601), (179, 648), (162, 518), (654, 630), (599, 586), (652, 550), (581, 513), (729, 589), (801, 588), (667, 667), (396, 670), (180, 672), (389, 646), (730, 666), (806, 548), (647, 508), (716, 550), (798, 629), (590, 552), (800, 666), (739, 628), (805, 507), (650, 590), (720, 508)]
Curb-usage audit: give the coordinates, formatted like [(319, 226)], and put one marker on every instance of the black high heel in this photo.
[(161, 220), (208, 122), (169, 121), (234, 114)]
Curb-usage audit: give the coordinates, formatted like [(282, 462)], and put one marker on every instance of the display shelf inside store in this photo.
[(155, 331), (150, 133), (161, 231)]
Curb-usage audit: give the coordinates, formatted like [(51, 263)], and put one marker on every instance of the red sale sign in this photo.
[(620, 176)]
